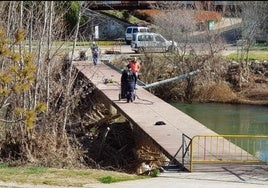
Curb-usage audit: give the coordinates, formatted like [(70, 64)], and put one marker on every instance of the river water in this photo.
[(233, 119), (229, 119)]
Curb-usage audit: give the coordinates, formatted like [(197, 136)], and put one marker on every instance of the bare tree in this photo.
[(254, 22), (174, 21), (33, 78), (197, 49)]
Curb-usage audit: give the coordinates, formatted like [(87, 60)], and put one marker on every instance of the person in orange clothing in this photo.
[(135, 68)]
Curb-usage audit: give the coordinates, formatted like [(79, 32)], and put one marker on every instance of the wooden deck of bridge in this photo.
[(148, 109)]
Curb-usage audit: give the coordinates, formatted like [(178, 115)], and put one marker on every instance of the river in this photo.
[(229, 119)]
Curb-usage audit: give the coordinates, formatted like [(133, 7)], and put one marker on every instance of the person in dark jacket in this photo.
[(128, 84)]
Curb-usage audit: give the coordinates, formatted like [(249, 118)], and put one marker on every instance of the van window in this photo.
[(159, 38), (135, 30), (143, 30), (141, 38), (148, 37), (129, 30)]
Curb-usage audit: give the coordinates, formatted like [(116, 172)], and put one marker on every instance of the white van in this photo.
[(132, 30), (151, 42)]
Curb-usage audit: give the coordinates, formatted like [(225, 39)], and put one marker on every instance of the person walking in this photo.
[(135, 68), (95, 53)]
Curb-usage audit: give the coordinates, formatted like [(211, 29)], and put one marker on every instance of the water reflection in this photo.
[(229, 118), (262, 152)]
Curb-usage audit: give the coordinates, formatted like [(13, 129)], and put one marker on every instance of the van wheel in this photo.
[(171, 48)]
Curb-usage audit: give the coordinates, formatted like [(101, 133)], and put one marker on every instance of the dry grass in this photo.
[(218, 92)]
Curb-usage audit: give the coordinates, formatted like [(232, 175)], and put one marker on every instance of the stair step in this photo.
[(171, 168)]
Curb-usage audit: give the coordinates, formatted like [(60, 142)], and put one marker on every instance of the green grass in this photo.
[(82, 43), (253, 55), (108, 179), (62, 177), (119, 14), (262, 44), (264, 49)]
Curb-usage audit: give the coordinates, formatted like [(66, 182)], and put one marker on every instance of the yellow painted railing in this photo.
[(227, 149)]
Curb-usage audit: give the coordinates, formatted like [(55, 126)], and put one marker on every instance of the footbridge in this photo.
[(181, 138)]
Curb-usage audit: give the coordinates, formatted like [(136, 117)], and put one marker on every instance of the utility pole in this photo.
[(171, 79)]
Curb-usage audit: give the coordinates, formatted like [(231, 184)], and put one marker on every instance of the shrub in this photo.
[(218, 92), (107, 179), (155, 172)]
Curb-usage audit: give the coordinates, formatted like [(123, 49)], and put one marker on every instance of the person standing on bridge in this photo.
[(135, 68), (128, 84), (95, 53)]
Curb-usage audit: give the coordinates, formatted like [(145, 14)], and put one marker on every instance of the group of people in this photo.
[(129, 79), (129, 75)]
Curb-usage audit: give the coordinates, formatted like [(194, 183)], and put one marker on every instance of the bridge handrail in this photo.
[(228, 148)]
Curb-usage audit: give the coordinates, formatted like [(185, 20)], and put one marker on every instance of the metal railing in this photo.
[(226, 149)]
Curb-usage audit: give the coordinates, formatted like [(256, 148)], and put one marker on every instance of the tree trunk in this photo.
[(39, 58), (69, 84), (48, 54)]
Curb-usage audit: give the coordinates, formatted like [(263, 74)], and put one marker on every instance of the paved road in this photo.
[(126, 49), (251, 178)]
